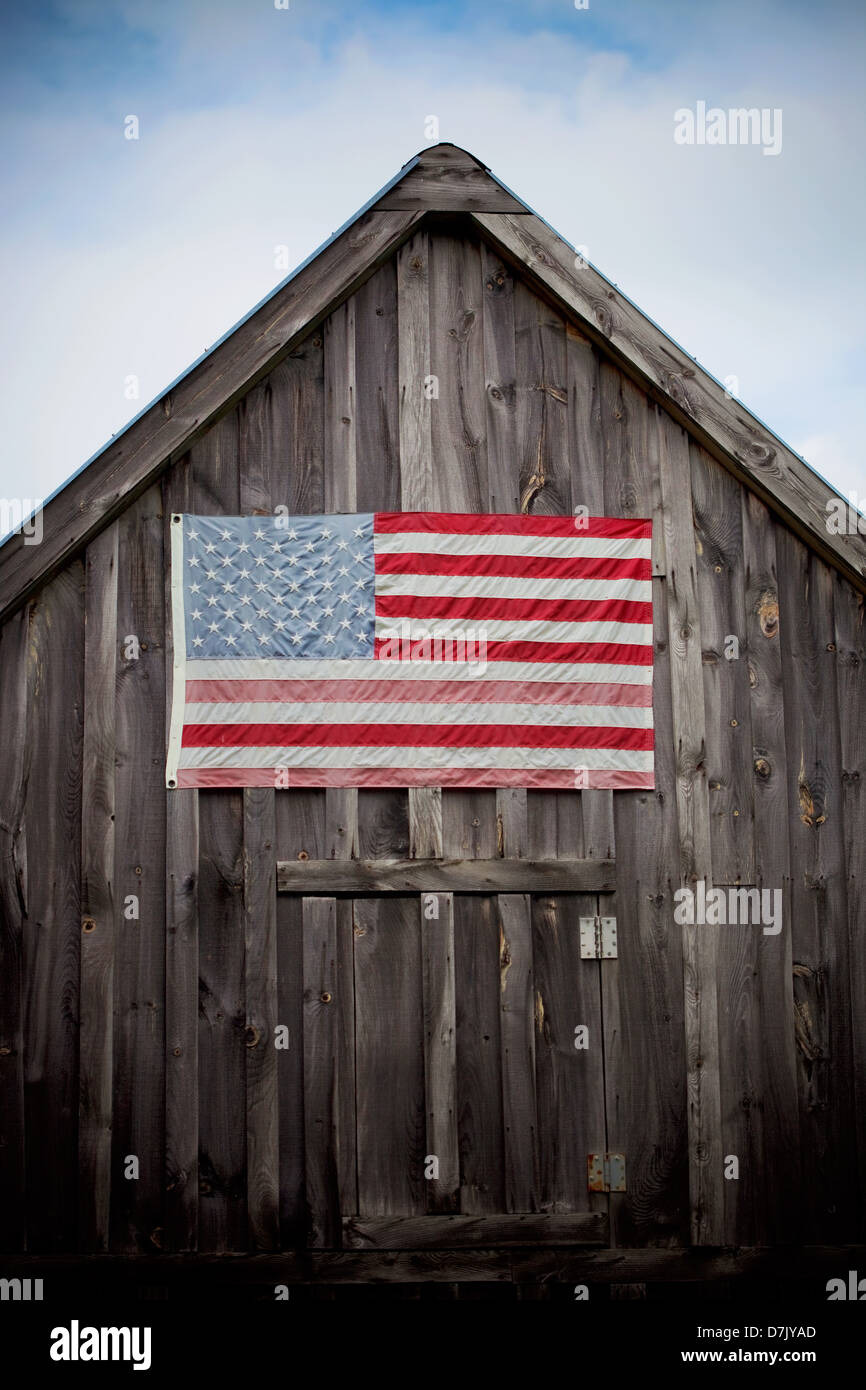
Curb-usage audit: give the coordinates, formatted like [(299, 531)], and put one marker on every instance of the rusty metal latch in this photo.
[(605, 1172), (598, 938)]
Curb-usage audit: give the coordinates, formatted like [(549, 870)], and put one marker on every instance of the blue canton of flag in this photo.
[(298, 587)]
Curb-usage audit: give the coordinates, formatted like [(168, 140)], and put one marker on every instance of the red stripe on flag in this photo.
[(618, 653), (414, 736), (617, 610), (409, 777), (426, 692), (485, 524), (516, 566)]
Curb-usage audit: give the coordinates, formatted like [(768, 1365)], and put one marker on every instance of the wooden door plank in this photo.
[(260, 969), (440, 1050), (483, 875), (98, 908), (479, 1059), (389, 1058), (569, 1079), (290, 1068), (328, 1080), (497, 1232), (13, 900), (517, 1041)]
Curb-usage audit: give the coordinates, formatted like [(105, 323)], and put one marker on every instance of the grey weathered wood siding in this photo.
[(153, 1035)]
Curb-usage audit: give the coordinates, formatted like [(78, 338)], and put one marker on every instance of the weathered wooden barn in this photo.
[(152, 1035)]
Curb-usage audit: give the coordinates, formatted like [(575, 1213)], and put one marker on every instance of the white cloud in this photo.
[(135, 257)]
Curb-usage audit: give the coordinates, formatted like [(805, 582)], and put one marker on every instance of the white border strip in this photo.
[(178, 633)]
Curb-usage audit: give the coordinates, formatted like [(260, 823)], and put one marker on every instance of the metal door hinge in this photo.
[(598, 938), (605, 1172)]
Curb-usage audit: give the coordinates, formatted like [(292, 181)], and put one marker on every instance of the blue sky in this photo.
[(262, 127)]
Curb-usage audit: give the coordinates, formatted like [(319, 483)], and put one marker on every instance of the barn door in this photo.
[(453, 1067)]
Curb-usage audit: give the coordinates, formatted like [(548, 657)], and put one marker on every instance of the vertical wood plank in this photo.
[(290, 1068), (340, 423), (517, 1041), (586, 451), (321, 1079), (413, 321), (258, 476), (260, 967), (759, 1079), (52, 929), (222, 1024), (458, 416), (821, 964), (479, 1059), (328, 1077), (341, 803), (500, 375), (500, 384), (98, 910), (377, 428), (414, 350), (851, 685), (440, 1049), (642, 989), (214, 489), (569, 1081), (721, 588), (541, 400), (300, 383), (181, 952), (137, 1221), (13, 898), (389, 1057), (643, 1006), (700, 943)]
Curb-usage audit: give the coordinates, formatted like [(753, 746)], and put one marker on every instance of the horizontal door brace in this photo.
[(357, 877)]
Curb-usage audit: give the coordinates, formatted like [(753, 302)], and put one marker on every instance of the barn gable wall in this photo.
[(149, 1035)]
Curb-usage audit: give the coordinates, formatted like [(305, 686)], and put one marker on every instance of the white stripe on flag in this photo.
[(537, 758), (407, 712), (589, 672), (512, 586), (495, 630), (547, 547)]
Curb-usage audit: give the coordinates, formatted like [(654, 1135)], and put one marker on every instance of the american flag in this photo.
[(396, 649)]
